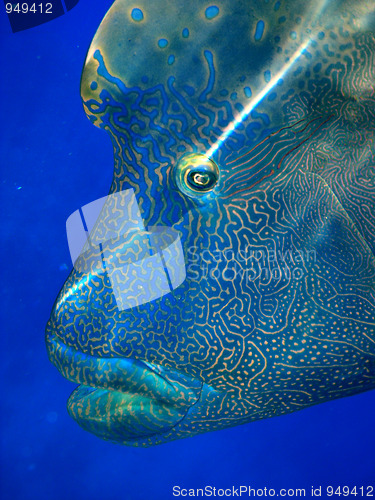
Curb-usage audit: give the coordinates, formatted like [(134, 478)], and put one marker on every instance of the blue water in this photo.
[(52, 162)]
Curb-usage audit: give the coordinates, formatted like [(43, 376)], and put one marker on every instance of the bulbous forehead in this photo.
[(229, 51), (229, 47)]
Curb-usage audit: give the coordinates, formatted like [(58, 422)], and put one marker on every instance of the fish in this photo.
[(229, 274)]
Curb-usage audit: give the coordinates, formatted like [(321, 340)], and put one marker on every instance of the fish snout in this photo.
[(123, 399)]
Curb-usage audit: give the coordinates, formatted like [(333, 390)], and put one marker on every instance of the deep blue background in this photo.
[(52, 162)]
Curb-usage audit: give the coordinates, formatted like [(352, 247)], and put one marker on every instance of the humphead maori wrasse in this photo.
[(229, 276)]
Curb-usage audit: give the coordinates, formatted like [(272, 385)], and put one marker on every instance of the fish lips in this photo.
[(123, 399)]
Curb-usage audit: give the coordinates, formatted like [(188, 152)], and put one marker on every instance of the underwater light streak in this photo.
[(256, 100), (75, 288)]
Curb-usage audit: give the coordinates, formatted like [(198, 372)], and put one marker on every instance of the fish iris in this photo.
[(195, 174)]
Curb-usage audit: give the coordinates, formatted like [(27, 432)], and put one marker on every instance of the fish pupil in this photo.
[(201, 179)]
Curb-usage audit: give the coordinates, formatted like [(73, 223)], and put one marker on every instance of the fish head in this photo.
[(183, 313)]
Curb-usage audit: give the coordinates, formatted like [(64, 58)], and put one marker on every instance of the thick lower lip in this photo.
[(123, 399)]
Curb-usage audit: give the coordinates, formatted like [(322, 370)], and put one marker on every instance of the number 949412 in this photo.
[(25, 8)]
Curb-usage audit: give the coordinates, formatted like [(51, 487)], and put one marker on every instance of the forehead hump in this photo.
[(219, 49)]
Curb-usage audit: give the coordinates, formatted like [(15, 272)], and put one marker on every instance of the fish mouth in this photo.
[(123, 400)]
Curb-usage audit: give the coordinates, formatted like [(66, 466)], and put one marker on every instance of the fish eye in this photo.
[(196, 175)]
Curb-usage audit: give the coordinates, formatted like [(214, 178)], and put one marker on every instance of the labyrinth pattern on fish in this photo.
[(277, 311)]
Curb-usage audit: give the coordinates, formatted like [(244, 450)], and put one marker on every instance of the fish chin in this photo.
[(124, 400)]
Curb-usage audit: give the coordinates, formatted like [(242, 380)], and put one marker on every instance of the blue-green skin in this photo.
[(297, 174)]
